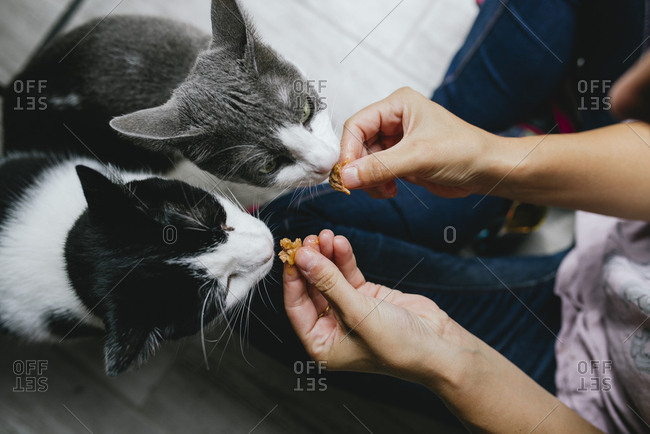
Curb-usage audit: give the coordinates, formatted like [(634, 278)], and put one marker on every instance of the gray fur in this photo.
[(219, 102)]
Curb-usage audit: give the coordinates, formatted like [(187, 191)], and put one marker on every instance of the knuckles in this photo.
[(325, 280)]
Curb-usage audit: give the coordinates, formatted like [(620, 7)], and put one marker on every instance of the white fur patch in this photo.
[(241, 262), (316, 152), (33, 278)]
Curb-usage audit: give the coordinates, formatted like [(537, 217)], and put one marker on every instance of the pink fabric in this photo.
[(565, 126), (603, 350)]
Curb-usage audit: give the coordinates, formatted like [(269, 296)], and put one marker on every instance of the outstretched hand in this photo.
[(370, 327)]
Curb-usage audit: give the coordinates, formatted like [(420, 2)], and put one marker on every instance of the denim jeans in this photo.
[(520, 53)]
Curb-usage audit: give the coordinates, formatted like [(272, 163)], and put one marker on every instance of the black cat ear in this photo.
[(125, 349), (230, 30), (158, 125), (102, 195)]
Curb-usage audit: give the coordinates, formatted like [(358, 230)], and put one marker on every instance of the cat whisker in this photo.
[(205, 355), (202, 225), (280, 194), (234, 199), (231, 148), (196, 229), (192, 210), (249, 304)]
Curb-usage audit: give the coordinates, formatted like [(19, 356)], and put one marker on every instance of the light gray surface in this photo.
[(174, 393)]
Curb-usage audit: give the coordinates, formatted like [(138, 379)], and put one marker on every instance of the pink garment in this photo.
[(603, 350)]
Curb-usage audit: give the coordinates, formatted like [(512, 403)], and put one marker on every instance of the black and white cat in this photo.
[(228, 103), (140, 260)]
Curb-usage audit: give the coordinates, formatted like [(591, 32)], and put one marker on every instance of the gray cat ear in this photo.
[(230, 30), (158, 123)]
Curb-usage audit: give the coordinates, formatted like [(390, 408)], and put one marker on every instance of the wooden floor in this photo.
[(364, 50)]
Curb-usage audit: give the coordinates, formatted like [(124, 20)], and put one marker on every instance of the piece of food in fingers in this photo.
[(335, 178), (289, 248)]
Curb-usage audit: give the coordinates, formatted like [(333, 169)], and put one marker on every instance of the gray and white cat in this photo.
[(138, 260), (228, 103)]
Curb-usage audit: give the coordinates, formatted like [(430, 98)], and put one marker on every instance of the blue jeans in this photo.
[(508, 302), (520, 54), (414, 215)]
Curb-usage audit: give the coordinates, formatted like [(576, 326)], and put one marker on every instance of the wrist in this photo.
[(454, 362), (496, 164)]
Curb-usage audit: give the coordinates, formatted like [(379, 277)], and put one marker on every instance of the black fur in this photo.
[(117, 255), (68, 325), (119, 261)]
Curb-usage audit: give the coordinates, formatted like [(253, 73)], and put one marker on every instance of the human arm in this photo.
[(407, 136), (372, 328)]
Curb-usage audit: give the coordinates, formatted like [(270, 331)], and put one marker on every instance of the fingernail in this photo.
[(350, 177), (306, 258)]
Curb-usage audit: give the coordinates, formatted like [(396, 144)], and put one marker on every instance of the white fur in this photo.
[(245, 194), (33, 279), (315, 151), (241, 262)]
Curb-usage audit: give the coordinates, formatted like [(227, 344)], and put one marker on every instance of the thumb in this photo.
[(328, 279), (379, 168)]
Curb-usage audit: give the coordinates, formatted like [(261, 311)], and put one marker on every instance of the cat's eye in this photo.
[(269, 167), (307, 111)]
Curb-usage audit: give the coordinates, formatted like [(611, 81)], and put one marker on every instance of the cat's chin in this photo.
[(240, 285), (288, 180)]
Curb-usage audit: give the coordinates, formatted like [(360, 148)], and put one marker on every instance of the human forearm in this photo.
[(604, 171), (490, 394), (382, 330)]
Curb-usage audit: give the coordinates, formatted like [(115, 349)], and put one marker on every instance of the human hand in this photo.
[(372, 328), (631, 93), (408, 136), (369, 328)]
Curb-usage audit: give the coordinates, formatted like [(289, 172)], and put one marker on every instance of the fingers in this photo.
[(379, 170), (313, 242), (374, 143), (328, 279), (347, 263), (301, 311), (326, 238), (381, 118)]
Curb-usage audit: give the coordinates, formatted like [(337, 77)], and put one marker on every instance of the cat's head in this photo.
[(244, 113), (158, 259)]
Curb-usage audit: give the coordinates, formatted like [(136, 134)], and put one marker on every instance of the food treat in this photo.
[(289, 249), (335, 178)]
